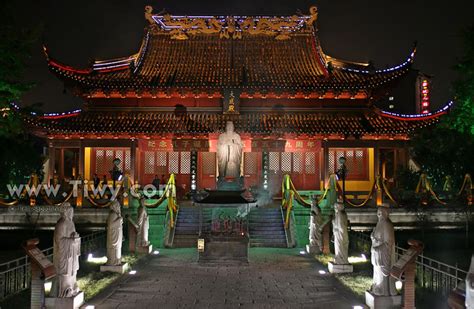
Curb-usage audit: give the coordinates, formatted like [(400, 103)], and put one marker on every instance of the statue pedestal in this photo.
[(65, 302), (382, 302), (313, 249), (145, 249), (225, 250), (340, 268), (122, 268)]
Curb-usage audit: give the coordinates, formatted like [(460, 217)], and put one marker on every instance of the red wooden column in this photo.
[(133, 159), (81, 160), (325, 162), (51, 155), (376, 161)]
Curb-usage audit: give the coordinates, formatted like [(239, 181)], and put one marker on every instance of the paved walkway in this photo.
[(275, 278)]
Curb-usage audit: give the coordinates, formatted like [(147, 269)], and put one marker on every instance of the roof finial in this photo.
[(313, 12), (148, 14)]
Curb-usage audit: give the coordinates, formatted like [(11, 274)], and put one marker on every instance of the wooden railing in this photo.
[(15, 275), (431, 274)]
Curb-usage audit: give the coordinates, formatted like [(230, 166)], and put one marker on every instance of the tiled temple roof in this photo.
[(187, 53), (356, 123)]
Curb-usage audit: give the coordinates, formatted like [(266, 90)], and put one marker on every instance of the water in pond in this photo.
[(448, 246), (11, 241)]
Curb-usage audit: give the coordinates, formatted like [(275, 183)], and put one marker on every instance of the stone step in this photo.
[(266, 227), (268, 245), (269, 232), (268, 239)]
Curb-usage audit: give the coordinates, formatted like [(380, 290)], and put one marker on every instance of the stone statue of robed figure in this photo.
[(315, 229), (229, 154), (341, 236), (143, 225), (383, 254), (340, 264), (114, 235), (66, 252)]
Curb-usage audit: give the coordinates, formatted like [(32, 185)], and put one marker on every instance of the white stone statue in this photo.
[(143, 225), (229, 152), (383, 254), (470, 286), (341, 236), (114, 235), (315, 228), (66, 252)]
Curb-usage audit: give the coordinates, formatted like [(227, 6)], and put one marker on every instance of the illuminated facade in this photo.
[(297, 109)]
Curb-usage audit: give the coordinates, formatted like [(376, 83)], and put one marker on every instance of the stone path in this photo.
[(275, 278)]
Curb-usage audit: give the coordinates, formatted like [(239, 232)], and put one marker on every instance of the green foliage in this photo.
[(15, 47), (407, 179), (442, 151), (94, 282), (324, 258), (19, 157), (448, 148), (357, 282), (461, 117)]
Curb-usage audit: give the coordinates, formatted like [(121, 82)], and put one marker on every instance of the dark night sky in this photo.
[(382, 31)]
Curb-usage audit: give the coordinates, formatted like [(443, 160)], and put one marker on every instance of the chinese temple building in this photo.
[(296, 108)]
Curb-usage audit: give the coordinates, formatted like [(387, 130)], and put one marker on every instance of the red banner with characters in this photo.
[(155, 145), (285, 145), (200, 145)]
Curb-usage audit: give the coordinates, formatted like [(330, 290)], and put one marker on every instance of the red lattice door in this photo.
[(303, 168), (252, 169), (102, 161), (166, 163), (207, 170)]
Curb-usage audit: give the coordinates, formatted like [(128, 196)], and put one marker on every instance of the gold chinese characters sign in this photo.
[(174, 145), (231, 27), (289, 145)]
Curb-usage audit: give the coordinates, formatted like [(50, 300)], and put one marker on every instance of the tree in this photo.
[(19, 156), (448, 148), (461, 118), (443, 151)]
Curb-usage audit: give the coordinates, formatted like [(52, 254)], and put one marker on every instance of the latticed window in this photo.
[(128, 161), (292, 162), (185, 164), (209, 163), (149, 162), (274, 162), (250, 163), (161, 163), (99, 162), (173, 167), (298, 162), (286, 162), (164, 163), (103, 160), (310, 163), (357, 162)]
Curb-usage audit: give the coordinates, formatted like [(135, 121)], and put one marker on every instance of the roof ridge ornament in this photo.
[(313, 12), (230, 27), (149, 14)]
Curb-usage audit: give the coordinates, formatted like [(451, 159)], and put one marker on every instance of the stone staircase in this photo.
[(187, 226), (266, 228)]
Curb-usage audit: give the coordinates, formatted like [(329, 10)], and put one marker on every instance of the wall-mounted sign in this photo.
[(191, 145), (200, 245), (38, 258), (288, 145), (155, 145)]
